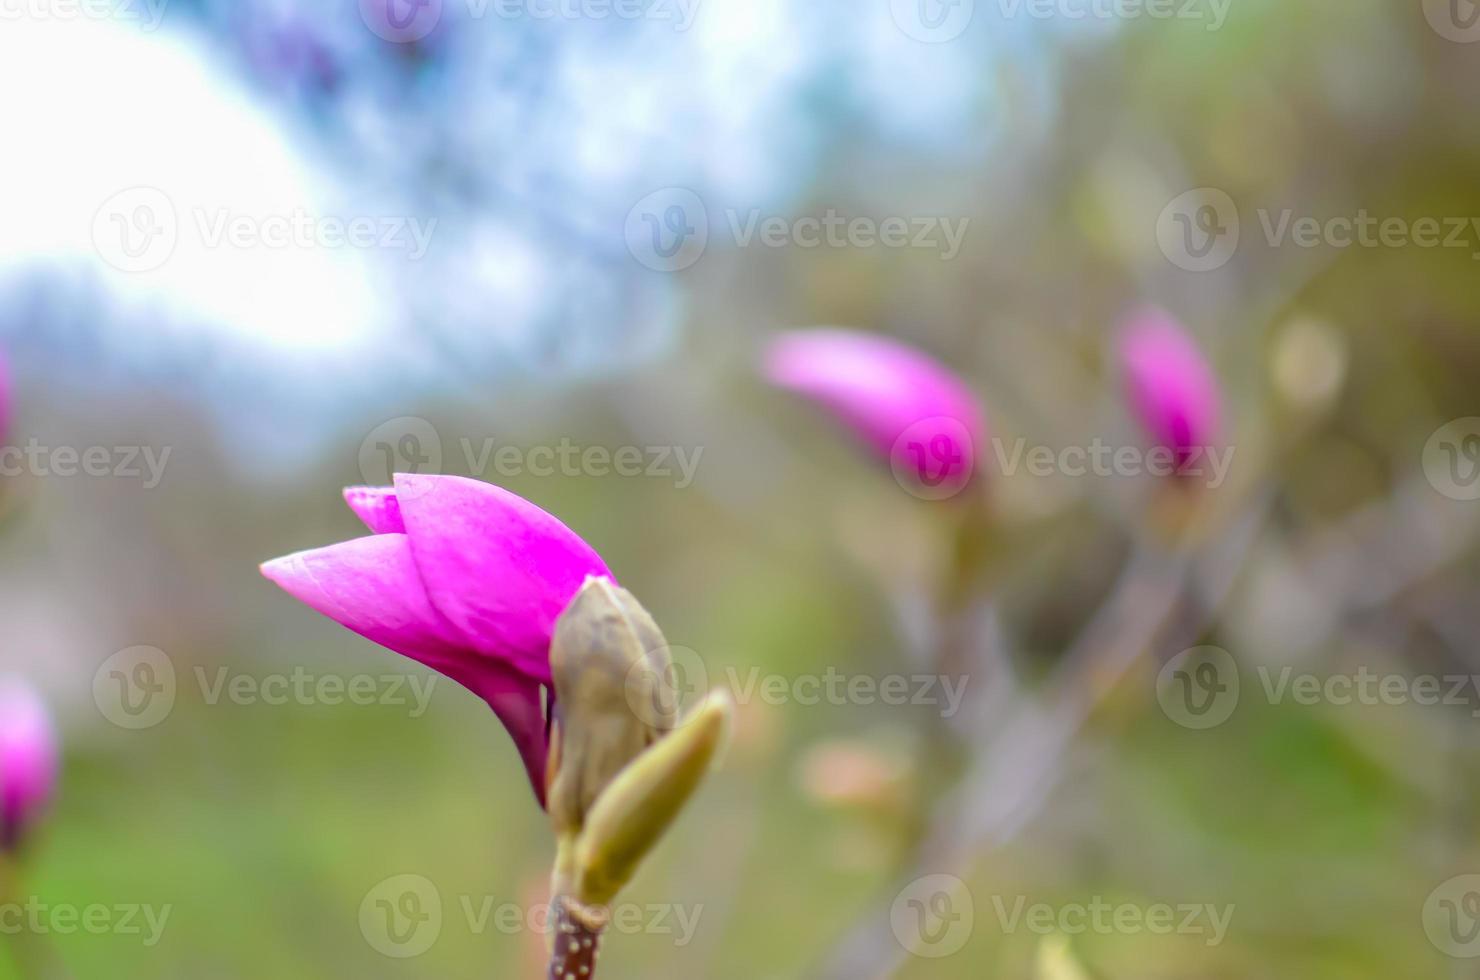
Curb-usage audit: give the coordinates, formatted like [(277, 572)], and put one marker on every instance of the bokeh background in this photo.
[(541, 151)]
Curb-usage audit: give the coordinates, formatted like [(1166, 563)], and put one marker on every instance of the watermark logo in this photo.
[(136, 230), (135, 688), (401, 917), (401, 21), (932, 21), (1199, 688), (656, 695), (1451, 459), (668, 230), (1199, 230), (1451, 917), (1454, 20), (933, 916), (401, 445), (933, 459)]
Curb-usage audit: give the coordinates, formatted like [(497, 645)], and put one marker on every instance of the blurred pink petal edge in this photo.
[(4, 397), (460, 575), (1169, 383), (28, 760), (894, 397)]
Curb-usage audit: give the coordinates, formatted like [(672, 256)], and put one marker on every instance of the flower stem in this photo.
[(577, 941)]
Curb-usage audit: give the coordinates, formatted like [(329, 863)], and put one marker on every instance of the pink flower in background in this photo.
[(1171, 388), (905, 405), (28, 760), (462, 576), (4, 397)]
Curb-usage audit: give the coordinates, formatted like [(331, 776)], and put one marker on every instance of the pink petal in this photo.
[(371, 585), (4, 397), (377, 507), (1169, 384), (28, 760), (906, 406), (500, 569)]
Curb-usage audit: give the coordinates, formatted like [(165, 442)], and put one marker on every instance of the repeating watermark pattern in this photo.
[(144, 463), (1200, 230), (934, 458), (135, 688), (687, 681), (933, 21), (37, 917), (1212, 14), (138, 688), (412, 445), (1451, 917), (1454, 20), (403, 916), (670, 229), (1200, 688), (933, 917), (147, 15), (138, 230), (304, 688), (1106, 918), (1451, 459), (409, 21), (1101, 459)]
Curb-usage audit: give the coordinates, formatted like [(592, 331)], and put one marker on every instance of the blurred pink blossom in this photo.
[(462, 576), (906, 406), (1170, 387), (28, 760), (5, 406)]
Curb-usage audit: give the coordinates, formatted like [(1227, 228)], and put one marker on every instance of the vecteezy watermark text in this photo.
[(413, 445), (147, 14), (1213, 14), (37, 917), (138, 230), (670, 229), (137, 688), (1200, 230), (98, 462), (1106, 918), (403, 916), (1103, 459)]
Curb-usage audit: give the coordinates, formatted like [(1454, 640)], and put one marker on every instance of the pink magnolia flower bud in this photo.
[(4, 397), (909, 408), (28, 761), (1170, 386), (462, 576)]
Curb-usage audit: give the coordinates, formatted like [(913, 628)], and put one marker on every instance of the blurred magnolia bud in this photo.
[(640, 804), (4, 397), (910, 409), (28, 761), (853, 773), (1309, 364), (1056, 962), (613, 696), (1170, 386)]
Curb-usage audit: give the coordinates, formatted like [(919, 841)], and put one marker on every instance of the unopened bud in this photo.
[(604, 642), (640, 804)]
